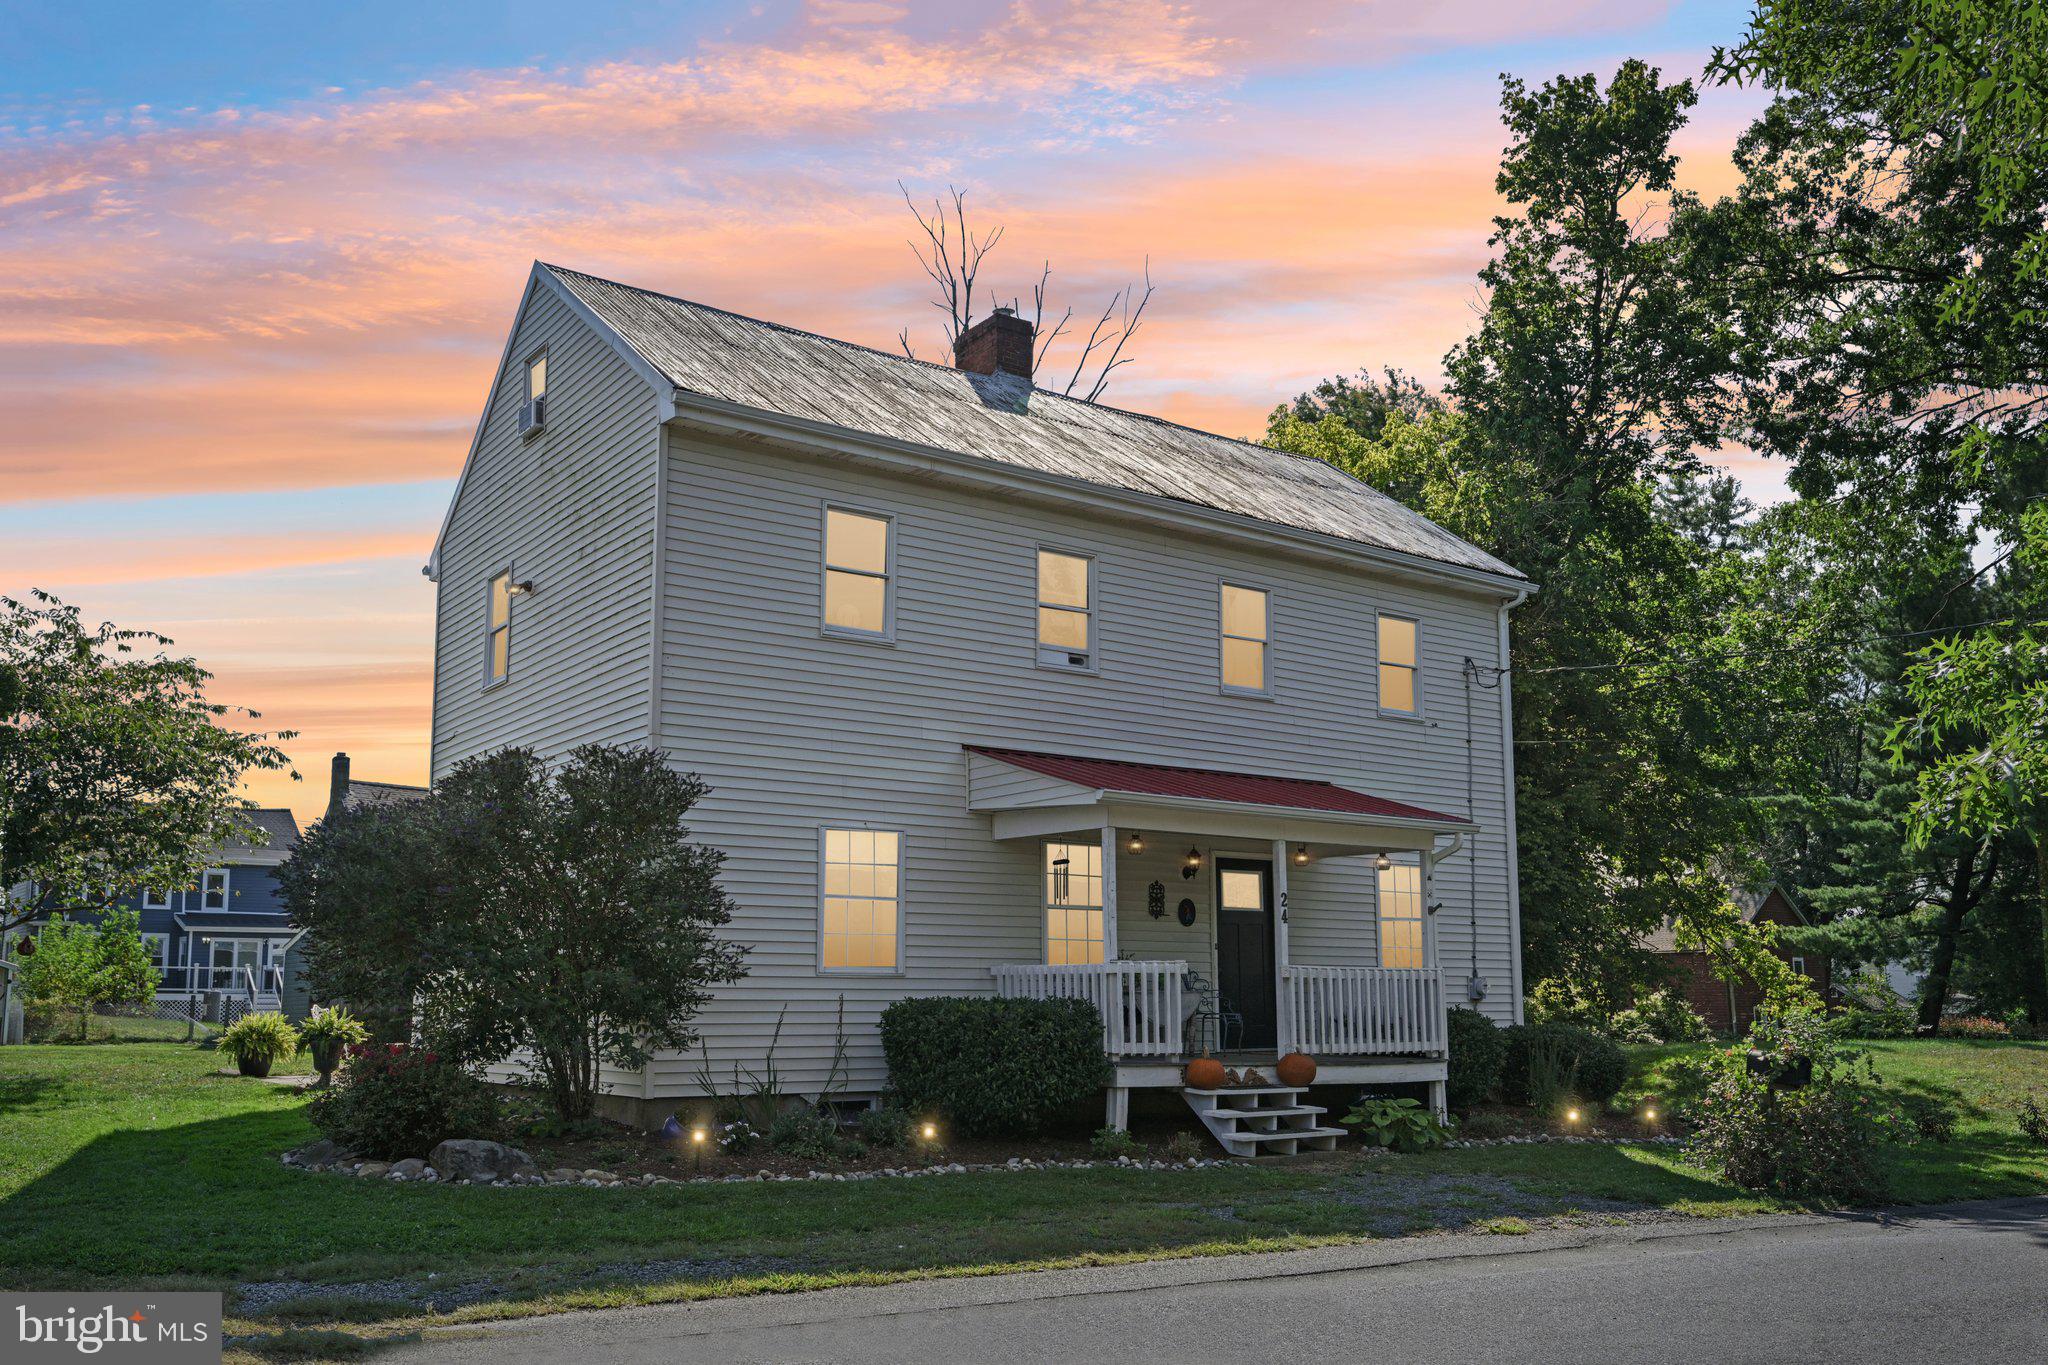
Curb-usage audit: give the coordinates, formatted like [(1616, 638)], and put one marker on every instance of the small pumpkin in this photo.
[(1204, 1073), (1297, 1069)]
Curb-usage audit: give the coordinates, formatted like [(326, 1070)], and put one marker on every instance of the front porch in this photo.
[(1304, 917)]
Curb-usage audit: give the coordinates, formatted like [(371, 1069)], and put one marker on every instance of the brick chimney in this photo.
[(337, 784), (1001, 341)]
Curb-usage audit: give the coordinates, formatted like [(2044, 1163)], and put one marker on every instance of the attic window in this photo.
[(533, 413)]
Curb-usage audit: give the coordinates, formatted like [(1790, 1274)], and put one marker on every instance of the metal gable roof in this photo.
[(1205, 784), (1002, 418)]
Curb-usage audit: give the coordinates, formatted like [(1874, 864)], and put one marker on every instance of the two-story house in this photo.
[(996, 691)]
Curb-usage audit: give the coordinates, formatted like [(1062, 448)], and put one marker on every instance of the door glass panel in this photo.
[(1243, 890)]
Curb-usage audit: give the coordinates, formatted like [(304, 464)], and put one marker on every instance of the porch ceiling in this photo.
[(1030, 795)]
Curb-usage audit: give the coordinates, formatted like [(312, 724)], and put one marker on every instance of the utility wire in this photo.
[(1741, 652)]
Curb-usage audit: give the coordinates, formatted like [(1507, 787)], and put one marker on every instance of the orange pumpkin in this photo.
[(1204, 1073), (1296, 1069)]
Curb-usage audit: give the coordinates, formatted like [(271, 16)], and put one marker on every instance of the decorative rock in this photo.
[(483, 1177), (412, 1168), (374, 1170), (601, 1177), (465, 1158), (315, 1153)]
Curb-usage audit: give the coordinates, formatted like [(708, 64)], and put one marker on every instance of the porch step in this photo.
[(1267, 1120)]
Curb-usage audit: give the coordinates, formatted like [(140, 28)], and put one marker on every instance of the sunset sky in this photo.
[(258, 260)]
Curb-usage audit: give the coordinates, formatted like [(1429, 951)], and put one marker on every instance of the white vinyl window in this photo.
[(155, 898), (1799, 965), (1245, 622), (533, 415), (860, 907), (213, 889), (498, 628), (1400, 899), (1073, 903), (1400, 666), (159, 946), (857, 574), (1066, 610)]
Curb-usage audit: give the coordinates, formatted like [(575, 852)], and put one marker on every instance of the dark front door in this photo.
[(1244, 948)]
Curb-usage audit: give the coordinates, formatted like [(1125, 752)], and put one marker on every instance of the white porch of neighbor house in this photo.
[(1280, 929)]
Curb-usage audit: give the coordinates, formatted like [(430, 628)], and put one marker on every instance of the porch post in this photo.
[(1283, 1012), (1109, 893)]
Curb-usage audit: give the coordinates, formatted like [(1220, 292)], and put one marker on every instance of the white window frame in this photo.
[(902, 899), (1045, 905), (155, 898), (887, 635), (492, 631), (1799, 965), (1380, 662), (161, 957), (206, 888), (1265, 659), (526, 387), (1420, 918), (1049, 656)]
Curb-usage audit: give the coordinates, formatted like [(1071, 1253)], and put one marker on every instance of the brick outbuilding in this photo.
[(1728, 1007)]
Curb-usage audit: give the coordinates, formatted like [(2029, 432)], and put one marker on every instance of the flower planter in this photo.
[(253, 1066), (326, 1053)]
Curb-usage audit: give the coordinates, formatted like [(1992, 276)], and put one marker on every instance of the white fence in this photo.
[(1141, 1003), (1355, 1011)]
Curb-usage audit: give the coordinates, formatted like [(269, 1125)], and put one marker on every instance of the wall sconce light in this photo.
[(1192, 863), (1137, 844), (1383, 862), (523, 588), (1300, 854)]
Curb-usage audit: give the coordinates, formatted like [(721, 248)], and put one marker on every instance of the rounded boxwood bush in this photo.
[(994, 1067), (1477, 1050), (1597, 1066), (392, 1101)]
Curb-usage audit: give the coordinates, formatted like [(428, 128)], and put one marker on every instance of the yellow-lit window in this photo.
[(856, 573), (498, 628), (1401, 913), (1245, 637), (1399, 666), (1073, 903), (862, 901), (537, 378), (1066, 620)]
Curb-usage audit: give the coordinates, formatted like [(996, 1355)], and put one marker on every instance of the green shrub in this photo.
[(1184, 1146), (1932, 1119), (1397, 1122), (2033, 1121), (1111, 1143), (994, 1067), (391, 1102), (1556, 1001), (1874, 1008), (1819, 1141), (887, 1126), (1658, 1017), (1491, 1124), (1477, 1049), (1593, 1067), (257, 1042), (810, 1136)]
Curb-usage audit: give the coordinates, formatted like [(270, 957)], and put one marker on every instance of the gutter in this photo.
[(1507, 759)]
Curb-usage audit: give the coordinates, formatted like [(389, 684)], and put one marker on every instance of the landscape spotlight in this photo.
[(1650, 1114), (1571, 1116), (931, 1131)]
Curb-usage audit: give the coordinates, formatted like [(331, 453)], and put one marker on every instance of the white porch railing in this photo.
[(1354, 1011), (1141, 1004)]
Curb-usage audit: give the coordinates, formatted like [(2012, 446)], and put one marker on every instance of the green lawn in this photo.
[(144, 1162)]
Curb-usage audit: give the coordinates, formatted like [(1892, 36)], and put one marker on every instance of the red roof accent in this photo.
[(1208, 784)]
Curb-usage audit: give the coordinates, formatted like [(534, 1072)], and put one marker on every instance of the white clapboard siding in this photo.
[(795, 731)]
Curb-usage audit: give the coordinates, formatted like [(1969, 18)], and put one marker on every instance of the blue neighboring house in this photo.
[(229, 933)]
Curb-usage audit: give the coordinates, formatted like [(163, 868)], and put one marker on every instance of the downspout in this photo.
[(657, 616), (1507, 759)]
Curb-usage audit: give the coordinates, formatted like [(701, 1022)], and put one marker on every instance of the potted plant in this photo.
[(326, 1036), (256, 1042)]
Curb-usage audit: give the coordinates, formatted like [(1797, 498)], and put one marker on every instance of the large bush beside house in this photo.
[(1477, 1050), (994, 1067), (391, 1102), (1821, 1140), (1591, 1067)]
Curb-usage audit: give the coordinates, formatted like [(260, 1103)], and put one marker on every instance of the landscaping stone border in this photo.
[(415, 1171), (1661, 1140)]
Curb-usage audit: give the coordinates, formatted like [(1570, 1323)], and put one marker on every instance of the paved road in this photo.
[(1964, 1284)]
